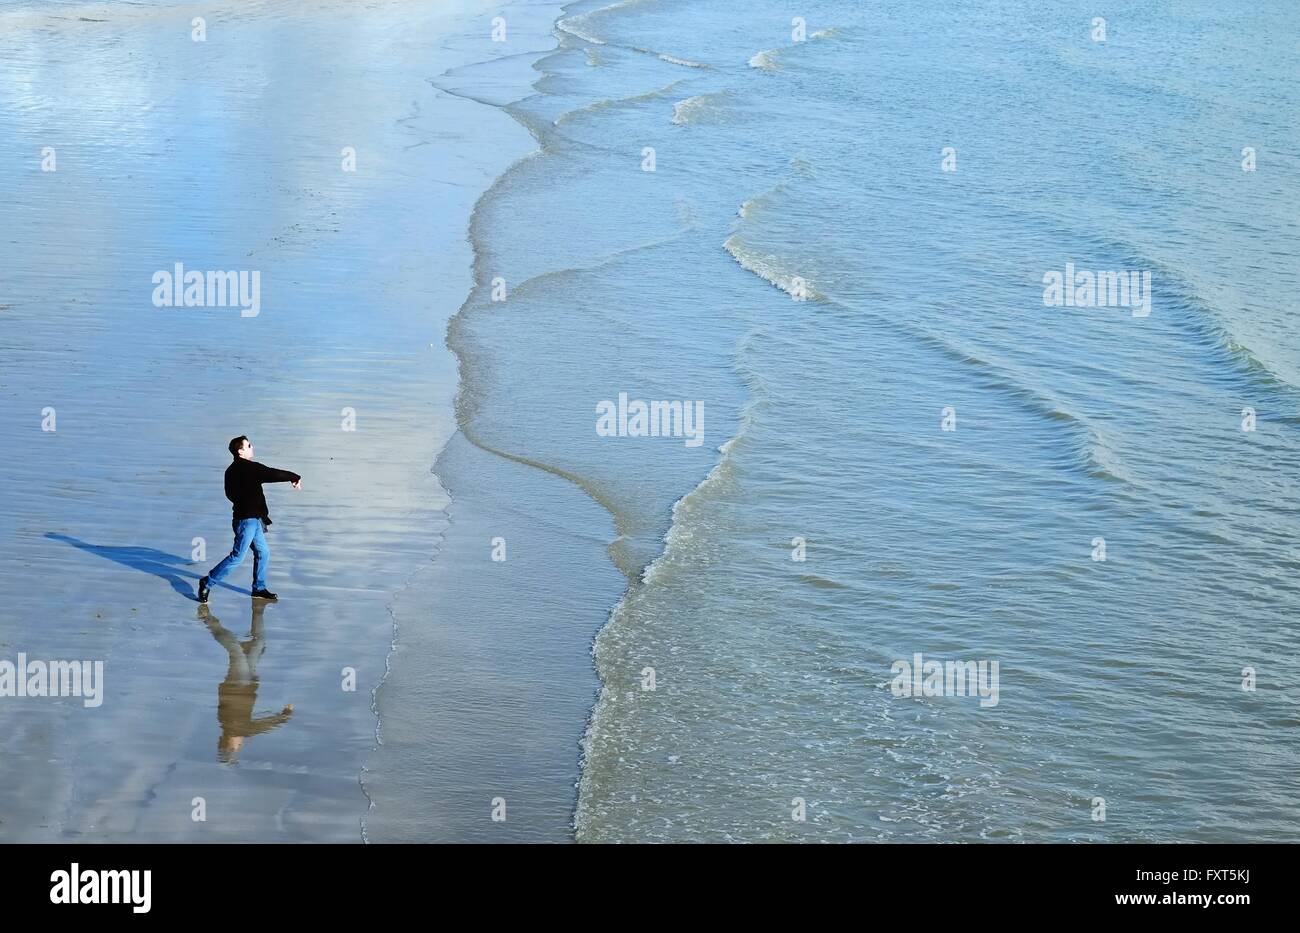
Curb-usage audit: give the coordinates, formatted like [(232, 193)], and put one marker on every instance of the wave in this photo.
[(680, 531), (769, 59), (688, 111), (680, 534), (605, 104), (570, 26), (580, 27), (686, 62), (696, 109), (751, 206), (765, 60), (1208, 326), (1095, 456), (825, 583), (772, 269), (670, 59), (1211, 328)]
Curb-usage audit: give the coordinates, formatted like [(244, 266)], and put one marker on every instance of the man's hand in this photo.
[(297, 484)]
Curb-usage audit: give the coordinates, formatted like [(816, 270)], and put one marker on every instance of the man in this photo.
[(244, 479)]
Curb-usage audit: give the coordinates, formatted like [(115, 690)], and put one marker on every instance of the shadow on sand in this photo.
[(175, 570)]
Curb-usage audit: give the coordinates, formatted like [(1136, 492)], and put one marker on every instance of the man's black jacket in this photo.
[(244, 479)]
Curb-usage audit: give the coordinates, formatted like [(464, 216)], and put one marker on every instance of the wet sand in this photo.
[(228, 155)]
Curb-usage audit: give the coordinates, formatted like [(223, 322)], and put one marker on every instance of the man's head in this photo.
[(241, 447)]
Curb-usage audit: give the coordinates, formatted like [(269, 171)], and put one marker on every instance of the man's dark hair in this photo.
[(236, 444)]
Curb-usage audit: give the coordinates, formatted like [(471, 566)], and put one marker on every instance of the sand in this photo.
[(227, 154)]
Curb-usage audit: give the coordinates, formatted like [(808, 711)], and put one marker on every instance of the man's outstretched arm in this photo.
[(266, 474), (267, 723)]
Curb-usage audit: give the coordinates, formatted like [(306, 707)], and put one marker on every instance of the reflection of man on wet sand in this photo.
[(238, 692)]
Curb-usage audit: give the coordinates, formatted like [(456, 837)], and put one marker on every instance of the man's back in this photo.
[(244, 479)]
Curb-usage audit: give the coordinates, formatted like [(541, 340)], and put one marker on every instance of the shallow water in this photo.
[(821, 161)]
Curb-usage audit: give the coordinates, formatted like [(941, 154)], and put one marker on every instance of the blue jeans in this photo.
[(248, 533)]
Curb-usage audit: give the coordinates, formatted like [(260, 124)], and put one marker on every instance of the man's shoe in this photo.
[(265, 594), (203, 589)]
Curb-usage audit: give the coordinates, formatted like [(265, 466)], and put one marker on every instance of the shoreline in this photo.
[(540, 790), (637, 539)]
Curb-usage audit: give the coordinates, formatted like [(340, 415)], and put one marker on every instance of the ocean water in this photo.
[(813, 170)]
